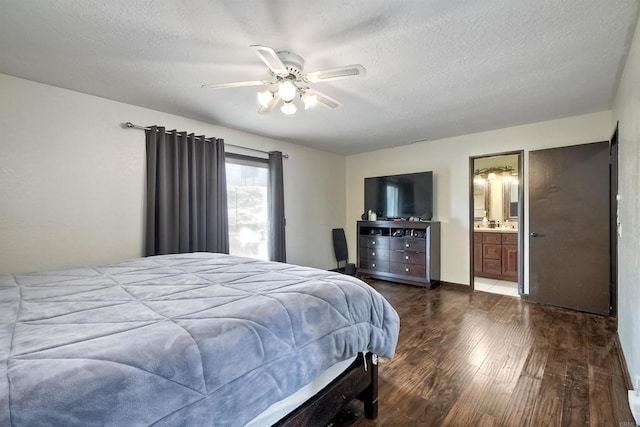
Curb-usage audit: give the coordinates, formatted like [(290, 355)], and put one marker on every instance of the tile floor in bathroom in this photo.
[(494, 286)]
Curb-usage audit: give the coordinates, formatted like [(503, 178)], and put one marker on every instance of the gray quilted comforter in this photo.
[(176, 340)]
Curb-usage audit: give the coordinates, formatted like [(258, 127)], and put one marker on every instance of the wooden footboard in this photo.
[(355, 382)]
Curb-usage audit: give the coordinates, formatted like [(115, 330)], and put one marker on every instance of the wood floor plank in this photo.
[(548, 408), (447, 386), (575, 411), (600, 392), (536, 361), (522, 402), (470, 359), (506, 365), (603, 357), (620, 401)]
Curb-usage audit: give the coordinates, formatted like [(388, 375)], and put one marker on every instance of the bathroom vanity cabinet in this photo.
[(495, 254)]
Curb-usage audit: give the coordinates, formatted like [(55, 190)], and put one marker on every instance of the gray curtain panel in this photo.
[(277, 222), (186, 204)]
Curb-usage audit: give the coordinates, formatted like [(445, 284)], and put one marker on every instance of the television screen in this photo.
[(400, 196)]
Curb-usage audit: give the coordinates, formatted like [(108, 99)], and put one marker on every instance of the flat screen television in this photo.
[(400, 196)]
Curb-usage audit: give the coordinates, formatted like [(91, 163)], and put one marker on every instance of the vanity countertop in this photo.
[(495, 230)]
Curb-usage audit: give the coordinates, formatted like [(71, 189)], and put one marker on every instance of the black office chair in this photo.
[(342, 254)]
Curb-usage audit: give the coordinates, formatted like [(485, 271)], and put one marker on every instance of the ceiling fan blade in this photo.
[(271, 106), (336, 73), (236, 84), (323, 99), (271, 60)]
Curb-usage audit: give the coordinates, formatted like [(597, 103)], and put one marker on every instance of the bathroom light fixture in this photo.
[(492, 172)]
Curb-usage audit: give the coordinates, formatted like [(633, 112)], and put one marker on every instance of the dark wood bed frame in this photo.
[(355, 382)]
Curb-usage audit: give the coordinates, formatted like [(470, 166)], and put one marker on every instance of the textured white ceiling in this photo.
[(435, 68)]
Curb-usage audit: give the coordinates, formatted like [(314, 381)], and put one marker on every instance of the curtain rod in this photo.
[(132, 126)]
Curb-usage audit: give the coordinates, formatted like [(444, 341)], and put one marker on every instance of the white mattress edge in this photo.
[(282, 407)]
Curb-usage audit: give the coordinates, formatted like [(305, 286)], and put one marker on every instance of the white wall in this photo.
[(72, 180), (449, 160), (627, 111)]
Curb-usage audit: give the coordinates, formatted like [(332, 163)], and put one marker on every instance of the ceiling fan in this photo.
[(289, 81)]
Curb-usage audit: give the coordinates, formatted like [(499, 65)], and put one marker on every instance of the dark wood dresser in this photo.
[(400, 251)]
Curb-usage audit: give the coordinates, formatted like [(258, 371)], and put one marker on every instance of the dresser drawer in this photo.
[(404, 244), (375, 254), (407, 269), (374, 242), (374, 265), (492, 238), (491, 251), (417, 258), (509, 238)]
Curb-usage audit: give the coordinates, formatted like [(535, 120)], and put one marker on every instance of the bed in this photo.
[(193, 339)]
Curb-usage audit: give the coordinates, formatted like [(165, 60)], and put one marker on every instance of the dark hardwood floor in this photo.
[(480, 359)]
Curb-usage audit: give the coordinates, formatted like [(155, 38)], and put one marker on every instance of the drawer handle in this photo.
[(373, 253), (406, 269), (407, 245), (374, 264), (373, 243), (406, 257)]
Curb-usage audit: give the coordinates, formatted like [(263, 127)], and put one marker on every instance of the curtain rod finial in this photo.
[(127, 125)]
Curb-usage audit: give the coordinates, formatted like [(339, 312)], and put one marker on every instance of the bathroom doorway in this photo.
[(496, 223)]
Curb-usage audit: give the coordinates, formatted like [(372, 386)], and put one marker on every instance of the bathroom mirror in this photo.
[(495, 188), (511, 187), (480, 198)]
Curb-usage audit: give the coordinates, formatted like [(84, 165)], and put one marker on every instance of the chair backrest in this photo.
[(340, 245)]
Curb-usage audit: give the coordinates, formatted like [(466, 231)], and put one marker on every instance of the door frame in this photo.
[(521, 210), (613, 222)]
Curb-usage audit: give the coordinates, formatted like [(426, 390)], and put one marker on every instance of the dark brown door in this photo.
[(569, 259)]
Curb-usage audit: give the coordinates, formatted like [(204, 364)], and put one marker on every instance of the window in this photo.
[(247, 181)]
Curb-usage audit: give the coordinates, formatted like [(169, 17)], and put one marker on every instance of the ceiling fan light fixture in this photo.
[(288, 108), (289, 81), (265, 98), (309, 100), (287, 90)]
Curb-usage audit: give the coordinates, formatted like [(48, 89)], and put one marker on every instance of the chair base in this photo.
[(349, 269)]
